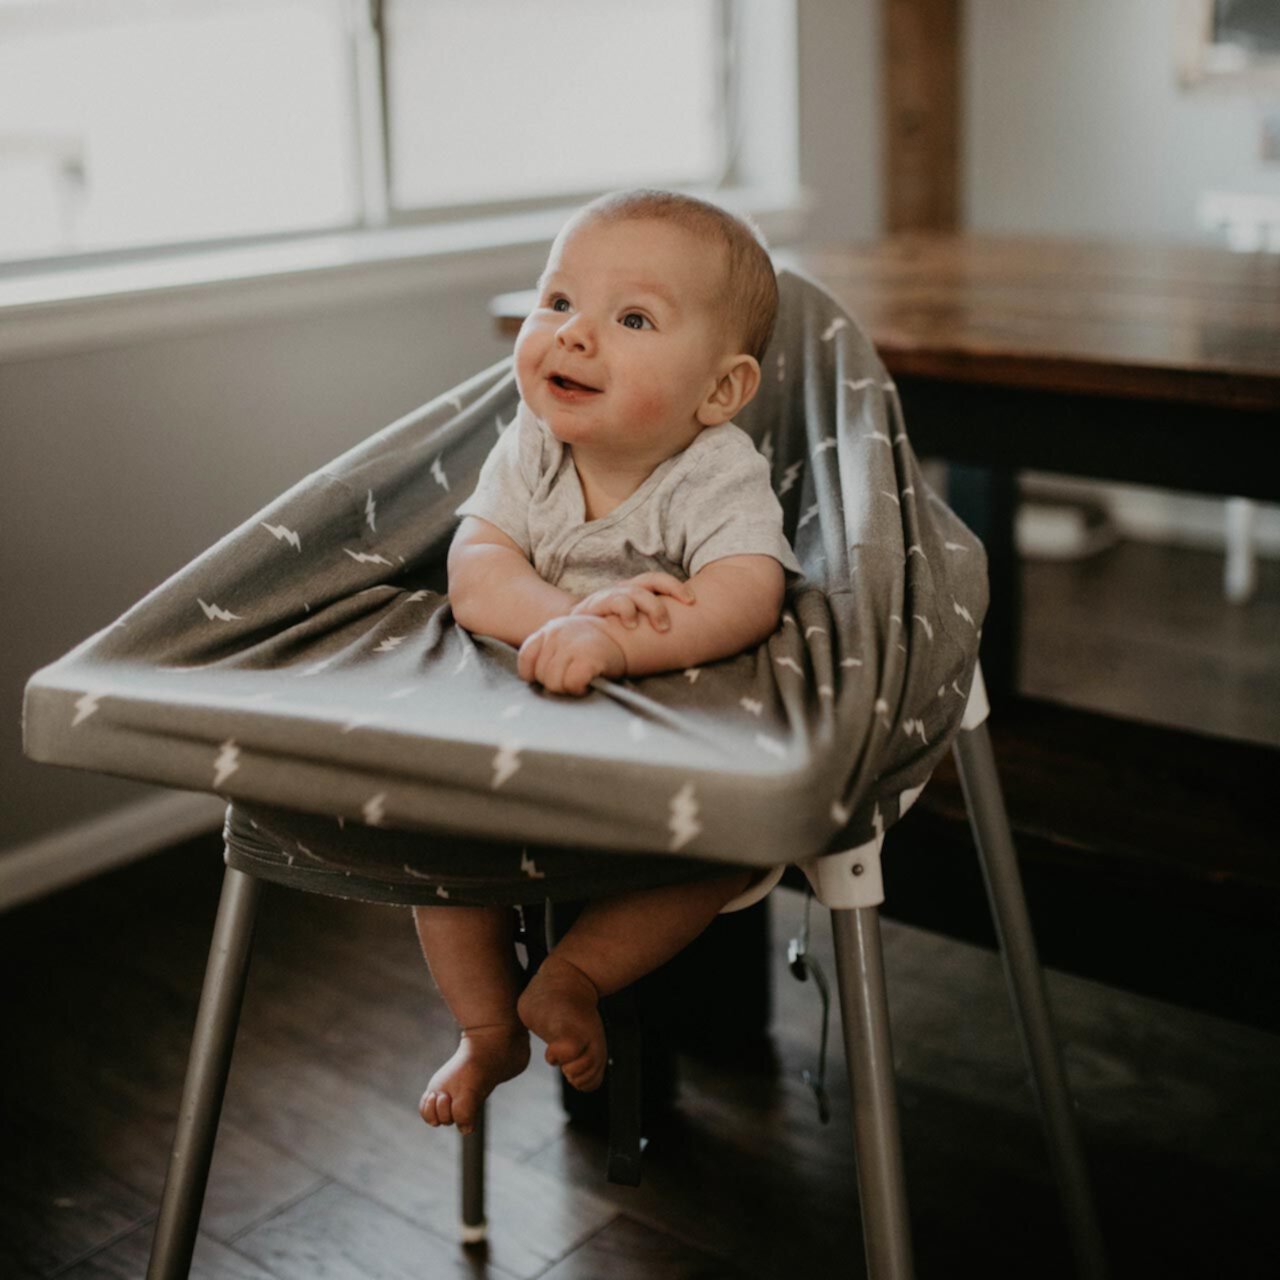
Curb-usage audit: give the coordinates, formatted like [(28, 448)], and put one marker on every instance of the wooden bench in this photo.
[(1151, 856)]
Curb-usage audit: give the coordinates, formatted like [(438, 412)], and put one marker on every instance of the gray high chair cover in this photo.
[(308, 669)]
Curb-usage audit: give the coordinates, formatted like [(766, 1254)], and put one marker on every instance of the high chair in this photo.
[(307, 668)]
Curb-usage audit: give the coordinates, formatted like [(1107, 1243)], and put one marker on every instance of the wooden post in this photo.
[(922, 115)]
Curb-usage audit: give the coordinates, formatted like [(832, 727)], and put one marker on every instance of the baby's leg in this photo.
[(611, 944), (471, 955)]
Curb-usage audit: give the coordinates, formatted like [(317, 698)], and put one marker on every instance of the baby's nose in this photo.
[(575, 333)]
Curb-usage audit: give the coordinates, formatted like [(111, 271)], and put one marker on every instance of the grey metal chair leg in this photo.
[(474, 1227), (207, 1069), (990, 823), (864, 1010)]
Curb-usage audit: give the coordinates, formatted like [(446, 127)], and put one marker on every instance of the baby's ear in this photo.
[(737, 384)]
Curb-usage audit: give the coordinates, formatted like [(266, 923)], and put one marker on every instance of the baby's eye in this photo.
[(634, 320), (559, 304)]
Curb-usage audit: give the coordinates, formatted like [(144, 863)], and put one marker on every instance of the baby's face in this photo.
[(625, 342)]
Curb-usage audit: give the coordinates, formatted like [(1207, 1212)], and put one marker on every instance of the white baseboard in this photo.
[(1157, 515), (109, 840)]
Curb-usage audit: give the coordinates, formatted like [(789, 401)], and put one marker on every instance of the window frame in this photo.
[(83, 299)]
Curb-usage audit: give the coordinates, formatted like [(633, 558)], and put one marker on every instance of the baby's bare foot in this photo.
[(486, 1056), (560, 1006)]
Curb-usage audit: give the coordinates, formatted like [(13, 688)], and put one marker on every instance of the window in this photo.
[(1233, 43), (138, 124)]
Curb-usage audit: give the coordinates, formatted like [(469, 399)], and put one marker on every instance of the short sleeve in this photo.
[(728, 508), (507, 481)]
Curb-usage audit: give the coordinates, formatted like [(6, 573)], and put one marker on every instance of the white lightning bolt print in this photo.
[(955, 546), (753, 705), (840, 814), (925, 623), (910, 727), (438, 475), (691, 674), (418, 597), (877, 436), (529, 867), (367, 557), (834, 327), (371, 511), (814, 631), (915, 550), (505, 763), (789, 477), (851, 662), (789, 662), (455, 401), (893, 497), (860, 385), (877, 821), (962, 611), (389, 645), (766, 448), (226, 763), (808, 515), (889, 387), (405, 692), (374, 809), (830, 442), (882, 710), (212, 611), (782, 366), (826, 691), (683, 822), (86, 705), (283, 534)]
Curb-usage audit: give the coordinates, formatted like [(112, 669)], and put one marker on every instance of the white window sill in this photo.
[(60, 310)]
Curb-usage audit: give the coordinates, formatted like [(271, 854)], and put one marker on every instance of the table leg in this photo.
[(986, 499)]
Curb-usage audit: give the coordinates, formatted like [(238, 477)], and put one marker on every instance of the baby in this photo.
[(621, 526)]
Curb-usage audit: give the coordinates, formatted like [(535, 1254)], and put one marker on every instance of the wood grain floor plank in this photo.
[(341, 1235), (127, 1259), (629, 1250)]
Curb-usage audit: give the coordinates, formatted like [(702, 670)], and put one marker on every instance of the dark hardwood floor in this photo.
[(323, 1169)]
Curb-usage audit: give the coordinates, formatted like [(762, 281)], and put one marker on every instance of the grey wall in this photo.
[(1075, 122), (120, 464)]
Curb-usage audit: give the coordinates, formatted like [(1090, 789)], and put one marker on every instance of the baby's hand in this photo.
[(566, 654), (639, 595)]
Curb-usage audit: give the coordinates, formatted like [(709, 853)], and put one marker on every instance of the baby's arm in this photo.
[(737, 604), (493, 588)]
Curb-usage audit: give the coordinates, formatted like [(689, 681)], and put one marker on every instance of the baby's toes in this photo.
[(586, 1073), (427, 1108)]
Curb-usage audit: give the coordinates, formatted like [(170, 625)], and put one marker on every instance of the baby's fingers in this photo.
[(527, 659), (665, 584), (653, 607)]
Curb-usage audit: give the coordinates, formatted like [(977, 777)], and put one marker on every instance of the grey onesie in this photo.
[(711, 500)]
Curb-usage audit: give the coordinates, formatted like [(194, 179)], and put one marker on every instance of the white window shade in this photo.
[(125, 123), (509, 99)]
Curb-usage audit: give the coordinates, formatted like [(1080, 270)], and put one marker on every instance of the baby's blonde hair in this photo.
[(749, 293)]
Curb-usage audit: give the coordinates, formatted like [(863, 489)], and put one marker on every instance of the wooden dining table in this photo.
[(1147, 363), (1142, 362)]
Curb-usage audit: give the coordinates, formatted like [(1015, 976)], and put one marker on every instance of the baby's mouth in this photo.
[(568, 384)]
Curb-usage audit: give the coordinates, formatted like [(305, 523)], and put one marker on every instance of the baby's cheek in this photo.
[(650, 403)]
